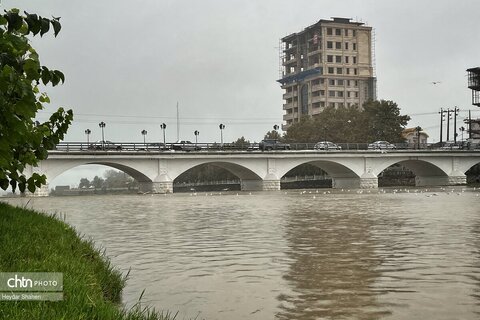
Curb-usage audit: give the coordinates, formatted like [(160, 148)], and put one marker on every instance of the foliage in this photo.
[(113, 179), (241, 142), (378, 120), (23, 141), (206, 172), (84, 183), (273, 135), (92, 286)]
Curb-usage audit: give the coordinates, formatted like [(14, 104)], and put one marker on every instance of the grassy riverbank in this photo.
[(33, 242)]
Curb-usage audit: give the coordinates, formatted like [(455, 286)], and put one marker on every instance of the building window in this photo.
[(354, 33), (348, 82), (322, 104), (355, 71), (331, 104), (340, 94), (329, 44), (330, 70), (356, 94), (348, 70), (338, 59), (329, 58), (338, 32), (340, 82), (322, 81), (354, 47), (339, 71), (331, 82), (346, 59), (329, 31), (346, 45), (346, 32), (356, 83), (331, 93), (338, 45), (349, 94), (322, 93)]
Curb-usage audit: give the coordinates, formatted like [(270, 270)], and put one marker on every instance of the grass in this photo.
[(34, 242)]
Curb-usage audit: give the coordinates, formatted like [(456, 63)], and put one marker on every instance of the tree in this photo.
[(378, 120), (273, 135), (384, 121), (84, 183), (97, 182), (24, 141), (117, 179), (241, 143)]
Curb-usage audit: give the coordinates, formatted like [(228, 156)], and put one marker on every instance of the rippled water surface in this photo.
[(291, 255)]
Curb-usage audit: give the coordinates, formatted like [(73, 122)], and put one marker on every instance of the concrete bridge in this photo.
[(156, 171)]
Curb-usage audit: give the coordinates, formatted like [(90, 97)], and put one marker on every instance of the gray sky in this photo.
[(129, 63)]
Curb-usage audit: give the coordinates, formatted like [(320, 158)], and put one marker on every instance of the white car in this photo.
[(326, 145), (381, 145)]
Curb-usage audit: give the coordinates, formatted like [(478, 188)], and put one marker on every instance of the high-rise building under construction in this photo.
[(330, 63)]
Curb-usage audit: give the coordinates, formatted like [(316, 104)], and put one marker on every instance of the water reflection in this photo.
[(333, 262)]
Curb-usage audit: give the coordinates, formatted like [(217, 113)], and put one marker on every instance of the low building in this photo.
[(412, 137)]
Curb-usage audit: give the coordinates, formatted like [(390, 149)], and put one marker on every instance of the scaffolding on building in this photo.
[(474, 84)]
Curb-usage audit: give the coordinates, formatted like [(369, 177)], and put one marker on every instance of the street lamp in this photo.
[(102, 126), (221, 126), (87, 132), (163, 126), (196, 133), (462, 129), (275, 127), (144, 134)]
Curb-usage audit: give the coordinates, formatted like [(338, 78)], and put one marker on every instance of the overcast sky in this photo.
[(128, 63)]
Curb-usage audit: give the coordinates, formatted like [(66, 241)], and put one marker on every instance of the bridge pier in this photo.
[(368, 181), (155, 187)]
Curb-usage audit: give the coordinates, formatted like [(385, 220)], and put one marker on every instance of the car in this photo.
[(451, 145), (273, 144), (104, 145), (381, 145), (184, 145), (326, 145)]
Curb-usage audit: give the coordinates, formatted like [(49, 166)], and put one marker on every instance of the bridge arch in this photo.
[(54, 171)]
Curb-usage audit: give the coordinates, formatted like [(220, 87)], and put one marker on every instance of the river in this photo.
[(294, 254)]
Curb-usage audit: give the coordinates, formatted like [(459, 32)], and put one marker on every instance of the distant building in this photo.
[(330, 63), (411, 135), (474, 84)]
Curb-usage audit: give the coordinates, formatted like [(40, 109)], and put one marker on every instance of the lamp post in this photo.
[(87, 132), (144, 134), (163, 126), (221, 126), (462, 129), (102, 126), (196, 133)]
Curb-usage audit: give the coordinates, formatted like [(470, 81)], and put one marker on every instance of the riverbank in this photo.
[(34, 242)]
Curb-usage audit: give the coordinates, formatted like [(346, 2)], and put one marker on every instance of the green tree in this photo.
[(378, 120), (384, 121), (24, 141), (241, 143)]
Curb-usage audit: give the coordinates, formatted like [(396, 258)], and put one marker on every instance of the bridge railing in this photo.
[(213, 147)]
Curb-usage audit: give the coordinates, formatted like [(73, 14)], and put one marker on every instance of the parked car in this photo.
[(185, 145), (326, 145), (273, 144), (381, 145), (104, 145), (451, 145)]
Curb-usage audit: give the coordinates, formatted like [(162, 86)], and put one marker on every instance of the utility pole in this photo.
[(455, 114), (178, 124), (448, 124), (442, 115), (469, 125)]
